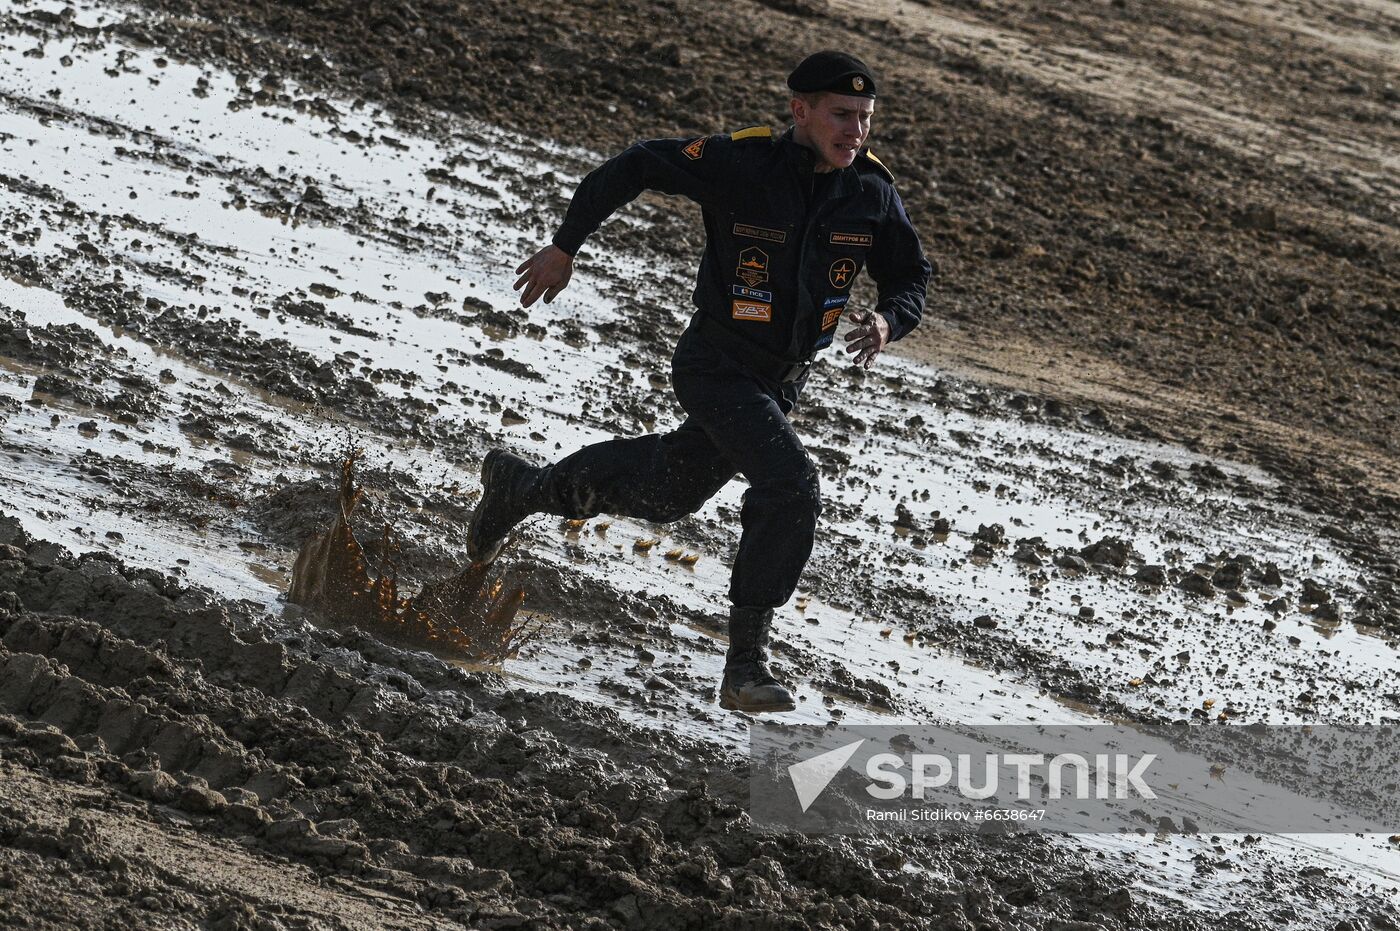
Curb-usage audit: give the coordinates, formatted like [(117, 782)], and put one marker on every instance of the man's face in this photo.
[(835, 125)]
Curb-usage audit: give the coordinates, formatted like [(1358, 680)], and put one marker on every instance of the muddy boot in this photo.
[(748, 685), (508, 493)]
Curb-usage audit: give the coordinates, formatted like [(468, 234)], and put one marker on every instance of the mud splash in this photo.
[(471, 615)]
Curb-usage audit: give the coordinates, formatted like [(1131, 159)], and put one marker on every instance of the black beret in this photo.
[(832, 71)]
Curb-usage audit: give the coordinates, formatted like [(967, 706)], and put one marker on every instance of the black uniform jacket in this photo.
[(783, 245)]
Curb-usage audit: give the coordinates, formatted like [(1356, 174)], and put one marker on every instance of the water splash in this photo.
[(472, 614)]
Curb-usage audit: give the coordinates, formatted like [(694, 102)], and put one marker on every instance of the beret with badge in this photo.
[(832, 71)]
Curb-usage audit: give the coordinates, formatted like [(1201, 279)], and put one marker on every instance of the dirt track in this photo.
[(1183, 214), (1202, 193), (177, 750)]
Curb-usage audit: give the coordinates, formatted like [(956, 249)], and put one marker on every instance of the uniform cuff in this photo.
[(569, 241), (894, 325)]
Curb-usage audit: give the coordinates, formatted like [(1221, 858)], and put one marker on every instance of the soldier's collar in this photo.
[(843, 181), (794, 150)]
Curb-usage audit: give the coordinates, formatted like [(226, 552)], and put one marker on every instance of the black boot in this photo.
[(748, 685), (509, 489)]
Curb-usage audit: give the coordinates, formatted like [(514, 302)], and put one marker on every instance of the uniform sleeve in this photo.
[(900, 269), (692, 168)]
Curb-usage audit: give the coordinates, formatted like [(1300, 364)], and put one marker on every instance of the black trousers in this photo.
[(737, 423)]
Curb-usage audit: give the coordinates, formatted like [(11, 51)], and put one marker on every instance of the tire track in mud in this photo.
[(404, 786)]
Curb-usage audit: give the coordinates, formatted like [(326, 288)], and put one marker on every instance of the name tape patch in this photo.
[(760, 232), (753, 293), (752, 310), (852, 239), (830, 317)]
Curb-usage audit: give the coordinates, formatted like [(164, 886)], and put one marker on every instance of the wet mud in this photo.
[(227, 263), (1223, 178)]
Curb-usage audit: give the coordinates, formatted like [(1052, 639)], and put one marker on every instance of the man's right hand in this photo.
[(547, 272)]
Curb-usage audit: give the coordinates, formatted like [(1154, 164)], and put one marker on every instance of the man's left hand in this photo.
[(871, 334)]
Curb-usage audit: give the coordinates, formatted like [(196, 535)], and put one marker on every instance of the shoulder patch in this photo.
[(695, 149), (878, 165), (753, 132)]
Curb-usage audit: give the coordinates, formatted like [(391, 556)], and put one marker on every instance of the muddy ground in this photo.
[(1184, 215), (242, 239), (1205, 194)]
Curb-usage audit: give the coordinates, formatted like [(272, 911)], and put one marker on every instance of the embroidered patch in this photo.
[(759, 232), (753, 266), (752, 310), (741, 291), (864, 240), (695, 149), (830, 317), (837, 301), (841, 273)]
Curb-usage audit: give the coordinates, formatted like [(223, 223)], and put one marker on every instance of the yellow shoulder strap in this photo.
[(879, 165), (753, 132)]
